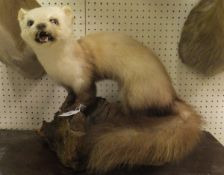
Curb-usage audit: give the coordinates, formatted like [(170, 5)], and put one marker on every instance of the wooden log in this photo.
[(66, 135)]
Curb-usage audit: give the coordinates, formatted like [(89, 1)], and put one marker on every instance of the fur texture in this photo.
[(104, 138), (130, 138), (143, 80), (145, 141), (13, 51), (201, 44)]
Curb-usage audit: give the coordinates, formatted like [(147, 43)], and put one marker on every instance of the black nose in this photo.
[(41, 26)]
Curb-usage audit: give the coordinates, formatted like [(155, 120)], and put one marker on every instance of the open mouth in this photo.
[(43, 37)]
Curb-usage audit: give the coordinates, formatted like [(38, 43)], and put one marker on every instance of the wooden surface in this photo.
[(24, 153)]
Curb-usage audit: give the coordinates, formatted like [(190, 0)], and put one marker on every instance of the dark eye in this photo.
[(30, 23), (54, 21)]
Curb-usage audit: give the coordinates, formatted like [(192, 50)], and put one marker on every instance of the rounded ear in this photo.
[(67, 10), (21, 14), (69, 13)]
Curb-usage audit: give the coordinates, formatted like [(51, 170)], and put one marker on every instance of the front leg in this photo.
[(69, 100), (87, 96)]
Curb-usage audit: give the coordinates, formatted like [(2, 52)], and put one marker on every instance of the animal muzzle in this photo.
[(44, 37)]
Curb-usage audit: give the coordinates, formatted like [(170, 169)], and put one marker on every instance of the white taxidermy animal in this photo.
[(144, 84), (77, 64)]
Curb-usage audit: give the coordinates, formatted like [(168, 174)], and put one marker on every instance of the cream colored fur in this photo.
[(143, 80), (134, 139)]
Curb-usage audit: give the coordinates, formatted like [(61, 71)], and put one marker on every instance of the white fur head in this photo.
[(45, 26)]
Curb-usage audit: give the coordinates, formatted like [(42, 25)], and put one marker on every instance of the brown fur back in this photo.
[(144, 141), (201, 44)]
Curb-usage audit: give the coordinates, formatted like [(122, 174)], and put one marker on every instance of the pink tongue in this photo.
[(44, 38)]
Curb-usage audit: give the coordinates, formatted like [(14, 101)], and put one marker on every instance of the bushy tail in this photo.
[(154, 141)]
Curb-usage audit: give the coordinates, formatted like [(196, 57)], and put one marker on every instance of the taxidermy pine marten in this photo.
[(144, 85)]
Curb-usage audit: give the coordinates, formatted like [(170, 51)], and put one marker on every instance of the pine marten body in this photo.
[(144, 86)]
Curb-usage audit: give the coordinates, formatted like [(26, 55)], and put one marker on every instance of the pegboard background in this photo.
[(157, 23)]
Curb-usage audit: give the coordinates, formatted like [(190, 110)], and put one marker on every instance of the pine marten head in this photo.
[(45, 25)]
